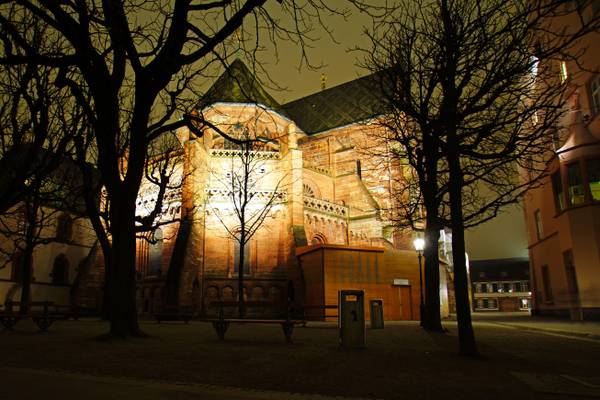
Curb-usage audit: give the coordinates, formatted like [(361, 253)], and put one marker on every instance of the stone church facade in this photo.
[(317, 157)]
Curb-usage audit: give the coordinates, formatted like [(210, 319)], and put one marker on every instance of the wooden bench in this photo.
[(43, 314), (221, 323), (173, 314)]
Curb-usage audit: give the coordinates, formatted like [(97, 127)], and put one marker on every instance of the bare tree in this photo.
[(251, 186), (480, 80), (129, 64), (37, 120)]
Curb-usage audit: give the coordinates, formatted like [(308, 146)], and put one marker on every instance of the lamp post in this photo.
[(419, 244)]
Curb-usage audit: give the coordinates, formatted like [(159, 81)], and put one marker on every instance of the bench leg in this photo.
[(43, 323), (221, 328), (9, 322), (288, 329)]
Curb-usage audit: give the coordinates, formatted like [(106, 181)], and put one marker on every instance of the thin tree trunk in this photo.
[(31, 215), (466, 336), (241, 305), (432, 321), (26, 275)]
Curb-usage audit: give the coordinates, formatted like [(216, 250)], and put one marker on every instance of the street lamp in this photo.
[(419, 246)]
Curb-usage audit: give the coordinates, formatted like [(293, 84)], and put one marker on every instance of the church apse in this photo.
[(306, 187)]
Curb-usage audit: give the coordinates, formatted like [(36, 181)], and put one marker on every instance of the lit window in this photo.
[(539, 229), (593, 171), (523, 304), (506, 287), (594, 87), (558, 192), (494, 287), (575, 184), (564, 74)]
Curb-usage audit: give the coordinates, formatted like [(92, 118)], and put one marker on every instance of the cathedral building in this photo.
[(318, 194)]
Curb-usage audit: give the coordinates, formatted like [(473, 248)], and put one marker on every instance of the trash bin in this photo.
[(376, 308), (352, 325)]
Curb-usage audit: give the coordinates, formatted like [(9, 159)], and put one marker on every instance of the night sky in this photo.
[(339, 64)]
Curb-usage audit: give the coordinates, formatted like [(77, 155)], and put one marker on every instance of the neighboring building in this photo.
[(331, 200), (563, 215), (501, 285), (64, 251)]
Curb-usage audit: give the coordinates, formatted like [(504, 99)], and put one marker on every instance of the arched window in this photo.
[(64, 228), (60, 270), (155, 253)]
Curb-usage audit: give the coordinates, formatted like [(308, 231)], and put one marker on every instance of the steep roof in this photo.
[(340, 105), (238, 85)]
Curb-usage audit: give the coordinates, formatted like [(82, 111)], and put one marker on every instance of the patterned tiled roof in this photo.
[(340, 105)]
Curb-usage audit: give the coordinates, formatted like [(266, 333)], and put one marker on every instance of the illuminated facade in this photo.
[(563, 215), (314, 157)]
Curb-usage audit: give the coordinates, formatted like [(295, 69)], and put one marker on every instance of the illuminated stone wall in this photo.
[(326, 197)]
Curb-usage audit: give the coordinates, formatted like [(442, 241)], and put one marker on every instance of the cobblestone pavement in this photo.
[(402, 361)]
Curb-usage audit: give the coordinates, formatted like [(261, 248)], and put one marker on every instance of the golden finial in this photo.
[(323, 81)]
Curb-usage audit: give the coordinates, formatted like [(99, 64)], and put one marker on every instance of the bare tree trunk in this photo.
[(30, 217), (241, 305), (466, 336), (432, 320), (26, 275), (121, 282)]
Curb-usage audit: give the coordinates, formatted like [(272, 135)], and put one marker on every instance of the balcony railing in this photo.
[(325, 206), (261, 155)]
